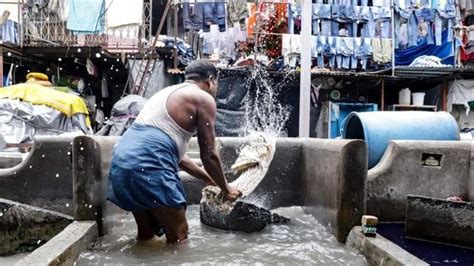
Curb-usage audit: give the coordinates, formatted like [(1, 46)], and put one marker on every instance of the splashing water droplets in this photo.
[(264, 112)]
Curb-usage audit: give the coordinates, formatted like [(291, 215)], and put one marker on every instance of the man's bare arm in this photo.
[(206, 116), (190, 167)]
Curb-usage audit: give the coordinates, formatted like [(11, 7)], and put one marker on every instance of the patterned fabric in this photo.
[(144, 171)]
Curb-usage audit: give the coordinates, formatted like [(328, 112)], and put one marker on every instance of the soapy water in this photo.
[(304, 240)]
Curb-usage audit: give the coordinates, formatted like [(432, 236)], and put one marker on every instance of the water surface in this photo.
[(304, 240)]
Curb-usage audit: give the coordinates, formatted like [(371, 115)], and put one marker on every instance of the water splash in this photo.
[(264, 111)]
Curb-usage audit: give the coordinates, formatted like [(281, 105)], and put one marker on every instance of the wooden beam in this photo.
[(444, 103)]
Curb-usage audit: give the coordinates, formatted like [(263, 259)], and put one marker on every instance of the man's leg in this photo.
[(145, 223), (174, 221)]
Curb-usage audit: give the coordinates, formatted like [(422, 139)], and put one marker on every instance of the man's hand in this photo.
[(232, 194)]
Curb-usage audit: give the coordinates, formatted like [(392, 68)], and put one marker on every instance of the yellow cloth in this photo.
[(67, 104), (36, 75)]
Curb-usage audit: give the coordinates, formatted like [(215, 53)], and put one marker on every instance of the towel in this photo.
[(86, 16)]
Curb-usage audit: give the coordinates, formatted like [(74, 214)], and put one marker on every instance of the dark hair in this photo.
[(200, 70)]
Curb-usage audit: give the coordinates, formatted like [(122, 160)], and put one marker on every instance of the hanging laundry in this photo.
[(121, 12), (377, 50), (237, 12), (9, 32), (221, 43), (386, 50), (60, 8), (425, 17), (214, 13), (291, 49), (193, 16), (294, 18), (321, 19), (86, 16), (91, 68)]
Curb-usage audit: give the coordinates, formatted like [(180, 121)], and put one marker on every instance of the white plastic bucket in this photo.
[(404, 96), (418, 98)]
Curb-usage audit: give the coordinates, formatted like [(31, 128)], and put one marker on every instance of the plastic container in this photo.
[(418, 98), (404, 96), (378, 128)]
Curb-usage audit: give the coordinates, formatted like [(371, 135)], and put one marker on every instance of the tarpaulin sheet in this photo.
[(461, 91), (122, 116), (444, 51), (21, 121), (231, 96)]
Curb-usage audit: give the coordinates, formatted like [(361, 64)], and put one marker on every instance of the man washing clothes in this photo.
[(145, 163)]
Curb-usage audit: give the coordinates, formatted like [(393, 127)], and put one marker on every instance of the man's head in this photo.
[(205, 74)]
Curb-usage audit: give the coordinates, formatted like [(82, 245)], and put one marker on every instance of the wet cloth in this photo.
[(86, 16), (144, 171)]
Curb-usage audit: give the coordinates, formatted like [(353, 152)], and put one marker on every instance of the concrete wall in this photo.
[(302, 172), (471, 175), (44, 178), (334, 182), (402, 171)]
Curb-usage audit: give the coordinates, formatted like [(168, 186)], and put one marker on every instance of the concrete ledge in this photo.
[(65, 247), (426, 168), (379, 250), (334, 176), (440, 220)]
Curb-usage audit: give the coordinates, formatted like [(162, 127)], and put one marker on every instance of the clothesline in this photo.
[(248, 1), (295, 34)]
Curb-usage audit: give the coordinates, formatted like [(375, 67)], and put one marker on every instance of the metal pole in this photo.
[(256, 30), (382, 96), (175, 31), (1, 66), (150, 14), (305, 74), (158, 31), (393, 38)]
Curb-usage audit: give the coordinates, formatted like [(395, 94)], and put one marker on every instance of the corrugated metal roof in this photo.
[(413, 72)]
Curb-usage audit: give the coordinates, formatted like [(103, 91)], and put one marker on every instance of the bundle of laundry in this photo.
[(30, 109), (123, 114), (427, 61), (185, 51)]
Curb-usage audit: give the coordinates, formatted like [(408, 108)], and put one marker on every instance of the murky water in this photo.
[(11, 260), (302, 241)]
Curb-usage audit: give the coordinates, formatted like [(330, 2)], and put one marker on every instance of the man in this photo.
[(144, 169)]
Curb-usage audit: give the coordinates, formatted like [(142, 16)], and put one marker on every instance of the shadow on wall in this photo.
[(44, 178)]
